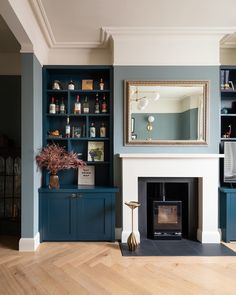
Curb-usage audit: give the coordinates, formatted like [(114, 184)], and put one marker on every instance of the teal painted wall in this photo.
[(10, 111), (168, 126), (31, 142), (121, 73)]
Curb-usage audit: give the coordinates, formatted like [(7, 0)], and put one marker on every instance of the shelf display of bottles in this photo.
[(77, 110), (228, 102)]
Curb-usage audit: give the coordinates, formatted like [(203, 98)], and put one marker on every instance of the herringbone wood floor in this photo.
[(99, 269)]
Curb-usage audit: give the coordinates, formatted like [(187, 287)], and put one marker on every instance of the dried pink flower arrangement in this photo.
[(55, 158)]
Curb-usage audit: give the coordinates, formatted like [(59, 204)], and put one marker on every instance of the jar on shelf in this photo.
[(71, 85)]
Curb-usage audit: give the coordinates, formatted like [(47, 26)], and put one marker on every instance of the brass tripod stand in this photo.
[(131, 241)]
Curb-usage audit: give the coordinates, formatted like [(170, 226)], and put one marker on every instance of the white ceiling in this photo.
[(77, 22)]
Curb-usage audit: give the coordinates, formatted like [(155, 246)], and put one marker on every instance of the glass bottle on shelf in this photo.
[(101, 84), (102, 130), (92, 130), (62, 107), (71, 85), (86, 105), (104, 104), (57, 106), (77, 106), (52, 106), (96, 106), (67, 127)]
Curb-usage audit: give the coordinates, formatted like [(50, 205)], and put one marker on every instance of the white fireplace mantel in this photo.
[(205, 167)]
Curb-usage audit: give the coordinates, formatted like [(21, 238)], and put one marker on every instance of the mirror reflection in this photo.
[(166, 112)]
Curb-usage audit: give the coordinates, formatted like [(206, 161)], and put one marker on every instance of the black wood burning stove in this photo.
[(167, 219), (165, 216)]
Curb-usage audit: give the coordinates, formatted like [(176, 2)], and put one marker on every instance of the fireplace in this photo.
[(202, 167), (169, 207), (167, 220)]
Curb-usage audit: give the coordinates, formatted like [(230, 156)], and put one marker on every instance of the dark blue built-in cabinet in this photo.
[(228, 213), (78, 212)]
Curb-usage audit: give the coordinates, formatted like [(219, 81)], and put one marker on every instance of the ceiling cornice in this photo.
[(152, 31), (45, 26)]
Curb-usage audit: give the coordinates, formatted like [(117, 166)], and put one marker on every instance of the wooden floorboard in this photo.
[(88, 268)]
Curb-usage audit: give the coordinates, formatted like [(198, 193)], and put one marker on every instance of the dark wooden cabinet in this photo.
[(77, 214), (228, 214)]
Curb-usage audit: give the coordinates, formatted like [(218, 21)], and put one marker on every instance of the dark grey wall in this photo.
[(121, 73), (167, 126), (10, 111)]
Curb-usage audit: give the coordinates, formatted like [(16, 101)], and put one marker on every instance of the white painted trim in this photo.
[(208, 237), (174, 156), (155, 31), (29, 244)]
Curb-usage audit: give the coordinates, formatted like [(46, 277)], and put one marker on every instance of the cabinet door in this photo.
[(56, 221), (95, 216), (232, 223)]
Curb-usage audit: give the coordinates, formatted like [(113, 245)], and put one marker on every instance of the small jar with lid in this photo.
[(71, 85)]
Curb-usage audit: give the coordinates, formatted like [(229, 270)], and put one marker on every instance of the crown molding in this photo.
[(47, 31), (152, 31)]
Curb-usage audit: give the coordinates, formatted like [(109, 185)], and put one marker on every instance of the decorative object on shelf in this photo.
[(52, 106), (55, 133), (97, 105), (76, 132), (92, 130), (102, 130), (87, 84), (77, 106), (86, 105), (101, 84), (231, 85), (55, 158), (86, 175), (67, 131), (95, 151), (62, 107), (56, 85), (224, 111), (131, 241), (104, 104), (71, 85), (228, 132)]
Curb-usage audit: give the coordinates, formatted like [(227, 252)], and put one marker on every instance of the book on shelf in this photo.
[(95, 151), (86, 175)]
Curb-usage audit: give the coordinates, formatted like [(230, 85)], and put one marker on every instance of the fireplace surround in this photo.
[(204, 167)]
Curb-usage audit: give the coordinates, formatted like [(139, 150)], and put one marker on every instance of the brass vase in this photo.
[(54, 181), (131, 241)]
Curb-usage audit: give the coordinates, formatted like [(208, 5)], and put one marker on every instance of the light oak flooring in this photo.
[(81, 268)]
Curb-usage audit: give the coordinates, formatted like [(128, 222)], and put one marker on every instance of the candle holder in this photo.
[(131, 241)]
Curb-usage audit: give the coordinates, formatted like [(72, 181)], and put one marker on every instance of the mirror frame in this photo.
[(127, 112)]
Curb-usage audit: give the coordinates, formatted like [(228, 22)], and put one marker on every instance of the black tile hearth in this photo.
[(182, 247)]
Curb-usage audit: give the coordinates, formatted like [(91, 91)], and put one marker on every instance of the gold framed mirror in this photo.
[(166, 112)]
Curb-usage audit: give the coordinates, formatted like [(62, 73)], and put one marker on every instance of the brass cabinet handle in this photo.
[(79, 195), (73, 196)]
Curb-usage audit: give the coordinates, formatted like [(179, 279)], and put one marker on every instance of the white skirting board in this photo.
[(29, 244)]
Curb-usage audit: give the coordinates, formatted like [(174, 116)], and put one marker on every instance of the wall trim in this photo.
[(29, 244)]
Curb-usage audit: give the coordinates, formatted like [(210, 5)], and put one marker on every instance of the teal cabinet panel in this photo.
[(77, 215), (95, 218), (228, 214), (56, 221)]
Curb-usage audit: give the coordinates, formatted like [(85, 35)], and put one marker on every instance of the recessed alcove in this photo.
[(177, 189)]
